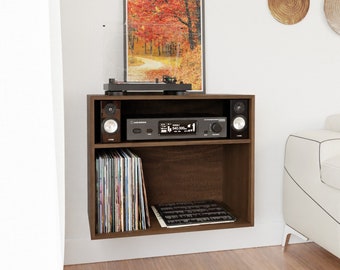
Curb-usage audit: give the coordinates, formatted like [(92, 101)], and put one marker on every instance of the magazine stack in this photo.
[(120, 191)]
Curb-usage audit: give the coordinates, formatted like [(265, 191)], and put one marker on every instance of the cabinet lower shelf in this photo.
[(157, 229)]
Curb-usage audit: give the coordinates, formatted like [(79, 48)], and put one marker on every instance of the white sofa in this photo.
[(311, 185)]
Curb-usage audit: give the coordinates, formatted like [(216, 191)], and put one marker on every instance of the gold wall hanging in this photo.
[(288, 11)]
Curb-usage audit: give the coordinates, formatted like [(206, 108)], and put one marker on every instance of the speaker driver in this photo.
[(110, 108), (239, 123), (110, 125), (239, 107)]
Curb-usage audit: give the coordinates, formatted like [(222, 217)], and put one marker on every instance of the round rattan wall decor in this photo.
[(288, 11), (332, 12)]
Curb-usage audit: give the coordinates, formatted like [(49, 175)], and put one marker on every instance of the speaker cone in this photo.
[(110, 125), (239, 123)]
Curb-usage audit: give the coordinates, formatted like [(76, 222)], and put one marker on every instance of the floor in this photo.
[(297, 256)]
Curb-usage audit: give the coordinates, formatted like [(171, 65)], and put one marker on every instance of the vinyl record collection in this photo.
[(120, 191)]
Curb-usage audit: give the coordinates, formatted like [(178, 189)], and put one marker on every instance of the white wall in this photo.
[(31, 136), (292, 70)]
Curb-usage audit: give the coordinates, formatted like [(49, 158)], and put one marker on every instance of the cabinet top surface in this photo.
[(170, 97)]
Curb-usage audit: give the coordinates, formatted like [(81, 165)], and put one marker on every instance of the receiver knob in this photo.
[(216, 127)]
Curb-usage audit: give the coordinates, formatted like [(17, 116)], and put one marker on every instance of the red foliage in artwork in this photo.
[(165, 36)]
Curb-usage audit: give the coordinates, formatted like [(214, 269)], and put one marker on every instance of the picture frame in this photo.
[(164, 39)]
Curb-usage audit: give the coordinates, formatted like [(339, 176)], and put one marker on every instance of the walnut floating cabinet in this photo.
[(179, 170)]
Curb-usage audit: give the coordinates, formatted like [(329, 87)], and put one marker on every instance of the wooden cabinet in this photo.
[(219, 169)]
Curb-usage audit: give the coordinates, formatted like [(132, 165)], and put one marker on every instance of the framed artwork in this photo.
[(165, 38)]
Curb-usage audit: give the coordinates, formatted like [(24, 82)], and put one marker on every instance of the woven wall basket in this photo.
[(332, 12), (288, 11)]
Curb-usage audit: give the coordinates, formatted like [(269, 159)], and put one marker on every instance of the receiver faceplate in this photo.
[(176, 128)]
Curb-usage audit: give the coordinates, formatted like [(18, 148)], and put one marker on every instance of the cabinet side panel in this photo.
[(91, 164)]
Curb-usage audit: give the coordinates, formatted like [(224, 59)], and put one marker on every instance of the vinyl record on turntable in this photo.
[(288, 11), (332, 13)]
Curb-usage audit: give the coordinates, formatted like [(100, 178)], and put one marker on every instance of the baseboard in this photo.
[(81, 251)]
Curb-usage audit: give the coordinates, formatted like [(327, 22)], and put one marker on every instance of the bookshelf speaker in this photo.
[(110, 121), (239, 119)]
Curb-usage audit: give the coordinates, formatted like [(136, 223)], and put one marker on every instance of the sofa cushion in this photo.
[(333, 122), (330, 172)]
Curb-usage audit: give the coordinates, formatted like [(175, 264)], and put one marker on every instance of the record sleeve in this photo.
[(182, 214)]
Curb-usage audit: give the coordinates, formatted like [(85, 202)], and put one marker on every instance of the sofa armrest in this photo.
[(302, 156), (308, 151)]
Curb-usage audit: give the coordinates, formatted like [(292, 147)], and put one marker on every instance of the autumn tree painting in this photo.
[(164, 37)]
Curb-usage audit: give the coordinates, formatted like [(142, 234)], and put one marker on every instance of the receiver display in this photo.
[(176, 127)]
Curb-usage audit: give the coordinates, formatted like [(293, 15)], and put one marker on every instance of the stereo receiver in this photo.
[(176, 128)]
